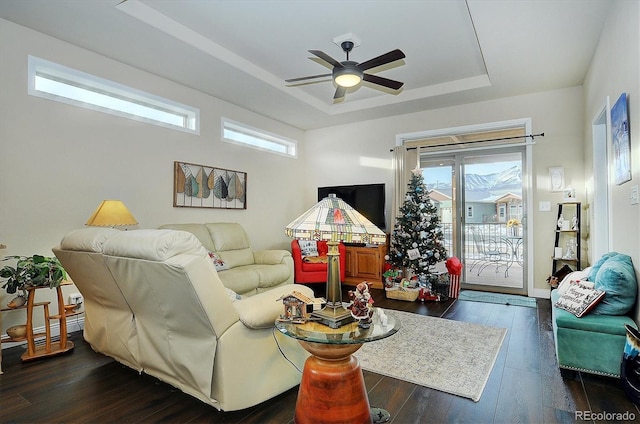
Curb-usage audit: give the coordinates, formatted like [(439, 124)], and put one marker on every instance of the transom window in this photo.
[(237, 133), (52, 81)]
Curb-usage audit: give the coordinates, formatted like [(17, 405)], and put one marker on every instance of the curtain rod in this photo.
[(532, 136)]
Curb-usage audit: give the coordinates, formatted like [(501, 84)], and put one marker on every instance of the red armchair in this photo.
[(313, 270)]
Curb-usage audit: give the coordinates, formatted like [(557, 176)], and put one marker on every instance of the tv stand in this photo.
[(364, 263)]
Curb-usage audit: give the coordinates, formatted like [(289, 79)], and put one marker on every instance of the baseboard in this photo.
[(542, 293), (74, 323)]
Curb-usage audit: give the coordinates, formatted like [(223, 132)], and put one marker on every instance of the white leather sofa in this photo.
[(154, 302), (245, 271)]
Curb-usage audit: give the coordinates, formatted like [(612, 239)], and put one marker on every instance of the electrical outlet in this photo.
[(75, 299), (634, 195)]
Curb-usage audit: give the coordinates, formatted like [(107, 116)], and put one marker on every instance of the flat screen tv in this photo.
[(368, 199)]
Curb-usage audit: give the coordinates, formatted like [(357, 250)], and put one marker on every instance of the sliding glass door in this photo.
[(480, 200)]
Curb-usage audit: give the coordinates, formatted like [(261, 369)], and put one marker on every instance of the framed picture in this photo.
[(556, 176), (621, 144), (200, 186)]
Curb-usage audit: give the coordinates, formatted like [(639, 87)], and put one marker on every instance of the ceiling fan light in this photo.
[(348, 75), (348, 80)]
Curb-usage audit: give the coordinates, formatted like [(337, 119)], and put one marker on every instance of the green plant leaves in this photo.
[(32, 271)]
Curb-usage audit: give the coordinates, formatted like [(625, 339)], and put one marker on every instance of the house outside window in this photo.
[(502, 210), (513, 212)]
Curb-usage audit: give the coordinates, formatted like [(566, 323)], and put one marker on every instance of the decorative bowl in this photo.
[(17, 331), (17, 302)]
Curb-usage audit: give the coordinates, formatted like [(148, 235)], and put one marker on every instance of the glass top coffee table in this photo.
[(332, 389)]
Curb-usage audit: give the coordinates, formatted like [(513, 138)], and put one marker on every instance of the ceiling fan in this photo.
[(349, 73)]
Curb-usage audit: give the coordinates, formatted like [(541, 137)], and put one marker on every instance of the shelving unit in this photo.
[(49, 348), (566, 234)]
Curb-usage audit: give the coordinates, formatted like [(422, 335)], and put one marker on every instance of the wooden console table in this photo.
[(365, 263)]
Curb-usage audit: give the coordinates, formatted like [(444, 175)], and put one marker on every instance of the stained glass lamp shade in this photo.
[(334, 220)]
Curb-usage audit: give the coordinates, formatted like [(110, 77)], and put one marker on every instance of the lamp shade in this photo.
[(111, 213), (333, 219)]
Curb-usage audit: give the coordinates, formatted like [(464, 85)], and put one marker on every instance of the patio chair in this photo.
[(491, 251)]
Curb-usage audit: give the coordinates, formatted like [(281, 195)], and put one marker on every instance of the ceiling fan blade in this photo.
[(340, 92), (322, 55), (386, 82), (307, 78), (392, 56)]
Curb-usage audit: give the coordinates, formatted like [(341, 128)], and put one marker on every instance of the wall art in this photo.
[(556, 176), (200, 186), (620, 142)]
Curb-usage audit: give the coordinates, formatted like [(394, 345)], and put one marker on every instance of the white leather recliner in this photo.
[(154, 302)]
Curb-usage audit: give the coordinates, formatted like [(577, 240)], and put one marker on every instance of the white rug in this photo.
[(450, 356)]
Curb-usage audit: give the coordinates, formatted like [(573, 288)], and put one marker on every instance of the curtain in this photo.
[(403, 162)]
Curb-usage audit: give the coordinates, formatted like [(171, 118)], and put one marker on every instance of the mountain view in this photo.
[(509, 180)]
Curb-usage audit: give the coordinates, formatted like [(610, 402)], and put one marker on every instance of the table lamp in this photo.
[(111, 213), (333, 220)]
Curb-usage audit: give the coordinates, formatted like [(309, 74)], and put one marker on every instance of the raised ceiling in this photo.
[(242, 51)]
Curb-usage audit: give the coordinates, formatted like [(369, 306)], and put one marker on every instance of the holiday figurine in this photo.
[(426, 294), (361, 302)]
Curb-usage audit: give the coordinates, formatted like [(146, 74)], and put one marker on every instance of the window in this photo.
[(469, 211), (234, 132), (52, 81)]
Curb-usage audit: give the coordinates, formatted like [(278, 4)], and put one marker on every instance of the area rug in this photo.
[(503, 299), (451, 356)]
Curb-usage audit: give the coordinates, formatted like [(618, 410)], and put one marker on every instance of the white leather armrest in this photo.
[(261, 310), (270, 257)]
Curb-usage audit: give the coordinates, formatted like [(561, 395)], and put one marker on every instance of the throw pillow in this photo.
[(579, 300), (596, 267), (574, 277), (323, 249), (618, 278), (217, 261), (308, 247)]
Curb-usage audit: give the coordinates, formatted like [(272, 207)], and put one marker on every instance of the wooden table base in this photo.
[(332, 389)]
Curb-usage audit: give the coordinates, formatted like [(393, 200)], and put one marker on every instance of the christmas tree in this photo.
[(417, 239)]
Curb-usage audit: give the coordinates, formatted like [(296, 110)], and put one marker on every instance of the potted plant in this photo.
[(31, 271)]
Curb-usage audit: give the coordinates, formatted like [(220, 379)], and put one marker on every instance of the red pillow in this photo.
[(323, 249)]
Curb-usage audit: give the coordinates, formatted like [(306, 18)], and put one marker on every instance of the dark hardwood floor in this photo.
[(525, 385)]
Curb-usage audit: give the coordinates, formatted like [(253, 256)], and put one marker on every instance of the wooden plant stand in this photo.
[(49, 348)]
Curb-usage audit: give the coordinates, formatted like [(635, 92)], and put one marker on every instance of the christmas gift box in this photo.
[(454, 286), (454, 267), (441, 285)]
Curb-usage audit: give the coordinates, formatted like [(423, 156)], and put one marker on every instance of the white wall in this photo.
[(615, 69), (360, 152), (57, 162)]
